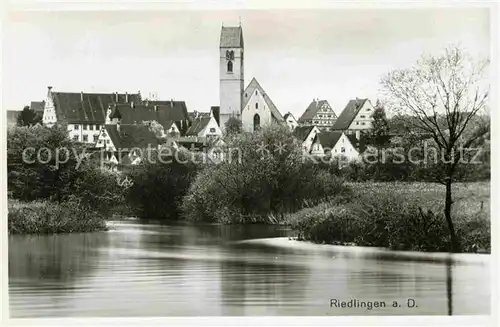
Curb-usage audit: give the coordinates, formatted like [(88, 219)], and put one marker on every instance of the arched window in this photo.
[(229, 66), (256, 105), (256, 122)]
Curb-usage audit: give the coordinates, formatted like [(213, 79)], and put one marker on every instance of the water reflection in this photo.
[(185, 270)]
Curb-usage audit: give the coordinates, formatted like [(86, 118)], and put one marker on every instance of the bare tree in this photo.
[(443, 96)]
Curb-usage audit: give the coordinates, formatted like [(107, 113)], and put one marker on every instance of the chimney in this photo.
[(116, 97), (118, 127), (358, 135), (49, 91), (132, 104), (156, 107), (172, 103), (126, 96), (81, 96)]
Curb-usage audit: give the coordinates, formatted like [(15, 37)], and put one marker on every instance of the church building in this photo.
[(252, 105)]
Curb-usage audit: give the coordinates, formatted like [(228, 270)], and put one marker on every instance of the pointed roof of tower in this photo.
[(231, 37)]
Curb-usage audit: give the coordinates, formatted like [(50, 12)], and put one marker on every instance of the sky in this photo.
[(296, 55)]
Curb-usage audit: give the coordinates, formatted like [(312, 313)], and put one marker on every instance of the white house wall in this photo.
[(363, 119), (308, 142), (250, 111), (344, 147), (212, 129), (104, 141), (84, 133)]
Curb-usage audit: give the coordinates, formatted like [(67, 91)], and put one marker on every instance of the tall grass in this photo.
[(388, 217), (44, 217)]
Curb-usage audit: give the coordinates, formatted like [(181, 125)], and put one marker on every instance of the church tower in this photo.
[(231, 73)]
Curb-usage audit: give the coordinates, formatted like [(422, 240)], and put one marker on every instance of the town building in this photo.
[(84, 114), (258, 108), (319, 113), (338, 143), (306, 135), (204, 126), (164, 113), (231, 68), (125, 144), (290, 121), (252, 105), (356, 117)]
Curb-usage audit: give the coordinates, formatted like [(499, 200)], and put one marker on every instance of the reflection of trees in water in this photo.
[(449, 286), (259, 284), (160, 236), (50, 258)]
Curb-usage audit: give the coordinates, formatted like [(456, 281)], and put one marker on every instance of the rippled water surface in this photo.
[(157, 270)]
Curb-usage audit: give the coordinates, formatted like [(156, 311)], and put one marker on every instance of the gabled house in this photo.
[(319, 113), (290, 121), (163, 112), (126, 144), (84, 114), (204, 126), (356, 117), (258, 109), (306, 135), (338, 143)]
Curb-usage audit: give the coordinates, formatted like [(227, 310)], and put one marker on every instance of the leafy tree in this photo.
[(440, 96), (233, 126), (159, 186), (263, 175), (379, 134), (28, 117), (43, 163)]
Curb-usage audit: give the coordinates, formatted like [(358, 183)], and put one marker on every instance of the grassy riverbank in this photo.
[(400, 216), (46, 217)]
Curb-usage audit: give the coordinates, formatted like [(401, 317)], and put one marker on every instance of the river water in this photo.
[(140, 269)]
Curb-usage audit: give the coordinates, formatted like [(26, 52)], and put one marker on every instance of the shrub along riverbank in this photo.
[(399, 216), (45, 217), (47, 196), (266, 180)]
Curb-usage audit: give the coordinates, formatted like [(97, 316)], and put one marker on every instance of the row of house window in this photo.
[(325, 122), (84, 127), (326, 116), (85, 138), (362, 123)]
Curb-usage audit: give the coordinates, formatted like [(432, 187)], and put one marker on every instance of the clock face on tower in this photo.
[(229, 55)]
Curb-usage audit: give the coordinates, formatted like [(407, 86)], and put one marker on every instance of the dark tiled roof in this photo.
[(329, 139), (312, 110), (216, 112), (359, 145), (131, 136), (285, 117), (348, 114), (254, 85), (190, 143), (168, 124), (231, 37), (197, 126), (37, 106), (301, 132), (71, 109), (163, 113)]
